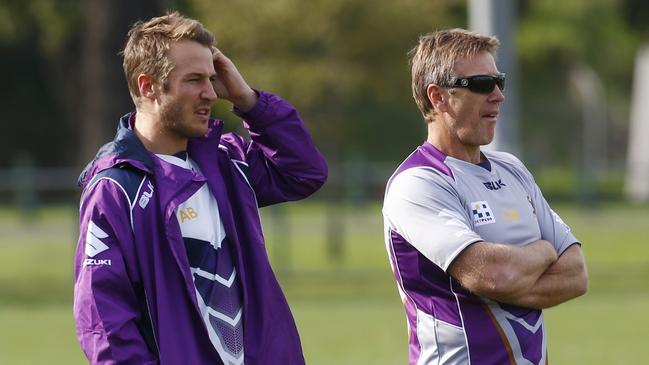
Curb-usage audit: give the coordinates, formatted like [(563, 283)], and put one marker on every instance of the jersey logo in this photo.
[(511, 215), (146, 195), (494, 185), (187, 213), (94, 243), (482, 214)]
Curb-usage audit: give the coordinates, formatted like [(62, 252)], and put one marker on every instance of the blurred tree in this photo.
[(342, 62), (66, 88), (104, 93), (555, 38), (37, 45)]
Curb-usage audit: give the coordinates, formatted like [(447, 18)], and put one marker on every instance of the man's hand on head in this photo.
[(230, 85)]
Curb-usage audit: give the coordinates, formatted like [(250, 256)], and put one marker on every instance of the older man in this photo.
[(476, 250)]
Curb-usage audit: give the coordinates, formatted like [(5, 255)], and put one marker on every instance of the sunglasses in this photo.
[(482, 84)]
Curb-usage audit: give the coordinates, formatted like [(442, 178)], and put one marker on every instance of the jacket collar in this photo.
[(126, 148)]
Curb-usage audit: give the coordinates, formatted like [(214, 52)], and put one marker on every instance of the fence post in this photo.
[(23, 184)]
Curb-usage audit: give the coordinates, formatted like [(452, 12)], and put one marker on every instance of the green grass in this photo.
[(347, 309)]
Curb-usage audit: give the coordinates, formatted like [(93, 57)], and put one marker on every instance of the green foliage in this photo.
[(566, 32), (52, 22), (343, 63), (554, 37)]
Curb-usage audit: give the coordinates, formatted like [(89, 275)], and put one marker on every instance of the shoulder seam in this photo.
[(121, 188)]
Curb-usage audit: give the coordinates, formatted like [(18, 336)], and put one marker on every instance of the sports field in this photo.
[(348, 309)]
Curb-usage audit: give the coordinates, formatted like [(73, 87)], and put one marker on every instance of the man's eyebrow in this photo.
[(200, 75)]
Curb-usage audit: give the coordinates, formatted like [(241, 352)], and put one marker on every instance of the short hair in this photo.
[(433, 60), (148, 43)]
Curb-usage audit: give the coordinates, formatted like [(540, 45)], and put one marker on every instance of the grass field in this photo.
[(347, 309)]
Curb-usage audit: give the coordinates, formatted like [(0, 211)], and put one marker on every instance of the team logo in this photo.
[(511, 215), (494, 185), (482, 214)]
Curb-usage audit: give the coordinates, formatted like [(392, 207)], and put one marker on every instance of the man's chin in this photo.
[(199, 133)]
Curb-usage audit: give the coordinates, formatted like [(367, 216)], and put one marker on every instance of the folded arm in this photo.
[(565, 279), (530, 276), (501, 271)]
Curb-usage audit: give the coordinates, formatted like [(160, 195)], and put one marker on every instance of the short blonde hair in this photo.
[(433, 60), (148, 43)]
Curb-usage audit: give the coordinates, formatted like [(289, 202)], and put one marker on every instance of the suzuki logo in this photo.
[(94, 243)]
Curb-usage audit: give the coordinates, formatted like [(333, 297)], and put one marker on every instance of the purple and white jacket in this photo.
[(134, 298)]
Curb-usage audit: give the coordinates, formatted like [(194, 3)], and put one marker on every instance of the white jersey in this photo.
[(218, 292), (435, 206)]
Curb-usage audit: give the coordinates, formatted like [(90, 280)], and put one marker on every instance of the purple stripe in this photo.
[(425, 283), (414, 348), (531, 343), (425, 155), (486, 346), (411, 313)]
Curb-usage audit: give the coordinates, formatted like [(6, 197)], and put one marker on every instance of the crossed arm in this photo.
[(530, 276)]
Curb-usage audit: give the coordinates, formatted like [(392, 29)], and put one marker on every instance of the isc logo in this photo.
[(146, 196)]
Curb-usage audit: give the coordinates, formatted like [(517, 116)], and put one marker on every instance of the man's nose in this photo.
[(208, 92), (497, 95)]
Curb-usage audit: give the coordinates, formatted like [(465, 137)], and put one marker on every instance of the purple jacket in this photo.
[(134, 298)]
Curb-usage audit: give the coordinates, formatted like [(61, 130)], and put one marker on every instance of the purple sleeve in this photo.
[(283, 162), (105, 303)]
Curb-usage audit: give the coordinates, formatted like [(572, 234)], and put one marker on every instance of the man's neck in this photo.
[(456, 150), (157, 139)]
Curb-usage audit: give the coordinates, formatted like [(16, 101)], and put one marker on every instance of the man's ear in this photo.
[(146, 86), (436, 97)]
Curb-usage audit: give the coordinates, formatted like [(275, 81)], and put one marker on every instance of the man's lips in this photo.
[(203, 112), (491, 115)]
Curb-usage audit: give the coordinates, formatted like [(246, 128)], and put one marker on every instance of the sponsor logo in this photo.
[(94, 243), (494, 185), (511, 215), (95, 262), (146, 195), (482, 214)]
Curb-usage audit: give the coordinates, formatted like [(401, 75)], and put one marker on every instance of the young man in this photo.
[(476, 250), (171, 266)]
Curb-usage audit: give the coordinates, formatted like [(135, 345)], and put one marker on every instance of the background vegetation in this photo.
[(342, 62)]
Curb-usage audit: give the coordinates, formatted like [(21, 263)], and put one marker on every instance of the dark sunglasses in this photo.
[(482, 84)]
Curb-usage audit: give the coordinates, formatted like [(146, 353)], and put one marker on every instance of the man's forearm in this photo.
[(564, 280), (501, 271)]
